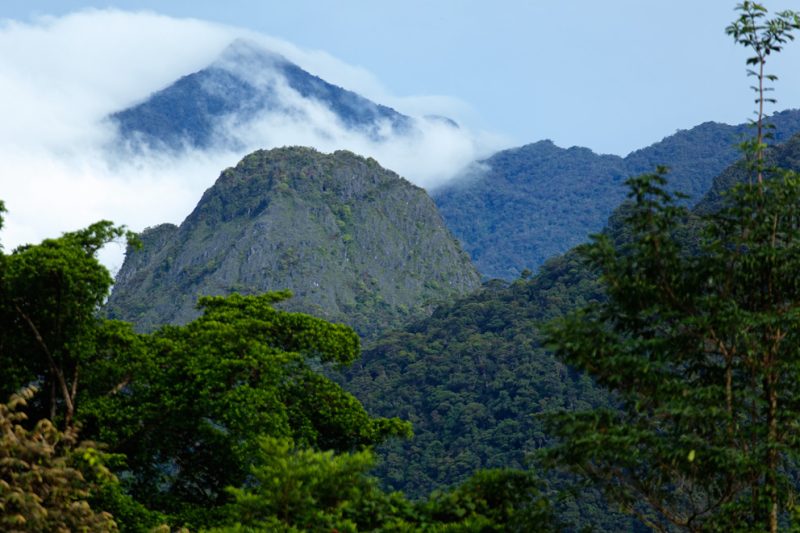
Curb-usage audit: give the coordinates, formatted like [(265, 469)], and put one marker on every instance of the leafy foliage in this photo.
[(192, 415), (496, 500), (700, 349), (46, 476), (49, 296), (219, 408), (182, 409), (307, 490), (700, 344)]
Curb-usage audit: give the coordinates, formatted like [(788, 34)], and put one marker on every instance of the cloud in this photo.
[(60, 77), (430, 153)]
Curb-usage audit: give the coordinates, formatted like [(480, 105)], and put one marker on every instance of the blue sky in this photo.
[(614, 75)]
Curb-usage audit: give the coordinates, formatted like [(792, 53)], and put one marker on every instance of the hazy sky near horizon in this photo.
[(613, 76)]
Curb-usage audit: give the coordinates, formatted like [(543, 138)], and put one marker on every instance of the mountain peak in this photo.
[(353, 241), (243, 51), (247, 82)]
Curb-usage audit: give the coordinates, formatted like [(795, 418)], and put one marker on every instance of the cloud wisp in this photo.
[(61, 77)]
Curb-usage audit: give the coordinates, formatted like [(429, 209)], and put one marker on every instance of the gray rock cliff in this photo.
[(354, 242)]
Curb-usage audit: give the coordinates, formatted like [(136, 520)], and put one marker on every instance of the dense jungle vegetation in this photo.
[(656, 366)]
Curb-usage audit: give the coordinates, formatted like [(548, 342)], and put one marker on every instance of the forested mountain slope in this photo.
[(786, 155), (473, 377), (354, 242), (525, 205), (470, 377)]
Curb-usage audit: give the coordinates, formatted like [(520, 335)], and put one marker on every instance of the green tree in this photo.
[(700, 343), (763, 37), (183, 410), (49, 297), (301, 489), (296, 489), (199, 399), (501, 500)]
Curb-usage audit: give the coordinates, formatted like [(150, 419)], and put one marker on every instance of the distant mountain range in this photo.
[(511, 212), (354, 242), (204, 109), (522, 206)]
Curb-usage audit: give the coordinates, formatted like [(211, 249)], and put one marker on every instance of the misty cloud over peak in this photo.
[(244, 55), (61, 78), (216, 106)]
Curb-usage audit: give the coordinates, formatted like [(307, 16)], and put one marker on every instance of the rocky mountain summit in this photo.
[(354, 242)]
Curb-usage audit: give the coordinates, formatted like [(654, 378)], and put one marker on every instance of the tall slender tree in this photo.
[(763, 37), (700, 343)]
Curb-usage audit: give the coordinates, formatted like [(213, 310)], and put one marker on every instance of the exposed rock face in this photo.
[(354, 242)]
